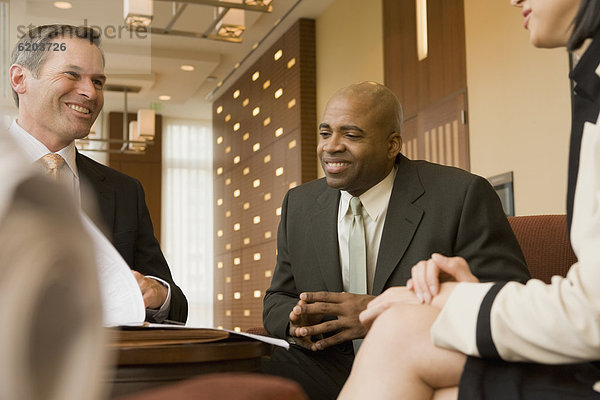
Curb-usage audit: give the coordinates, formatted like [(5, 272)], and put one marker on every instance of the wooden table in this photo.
[(140, 368)]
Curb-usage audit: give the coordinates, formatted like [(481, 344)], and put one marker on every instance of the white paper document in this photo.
[(122, 302), (266, 339)]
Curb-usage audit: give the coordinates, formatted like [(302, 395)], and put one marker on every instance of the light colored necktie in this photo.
[(357, 249), (357, 252), (52, 162)]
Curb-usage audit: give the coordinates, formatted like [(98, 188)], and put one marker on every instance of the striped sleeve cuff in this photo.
[(485, 343)]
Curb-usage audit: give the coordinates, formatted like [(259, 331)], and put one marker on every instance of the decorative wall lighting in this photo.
[(422, 43)]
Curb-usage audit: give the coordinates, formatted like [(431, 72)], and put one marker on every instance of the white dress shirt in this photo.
[(375, 204), (68, 175)]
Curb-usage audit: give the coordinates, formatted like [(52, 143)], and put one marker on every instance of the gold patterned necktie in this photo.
[(52, 162)]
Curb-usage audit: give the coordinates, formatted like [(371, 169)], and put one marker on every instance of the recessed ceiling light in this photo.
[(164, 97), (63, 5), (187, 67)]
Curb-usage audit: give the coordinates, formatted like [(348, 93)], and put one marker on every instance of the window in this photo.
[(187, 215)]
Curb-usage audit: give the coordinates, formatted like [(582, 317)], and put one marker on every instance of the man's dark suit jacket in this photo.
[(432, 208), (125, 219)]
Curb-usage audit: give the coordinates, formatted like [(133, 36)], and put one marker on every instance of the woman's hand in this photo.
[(427, 275)]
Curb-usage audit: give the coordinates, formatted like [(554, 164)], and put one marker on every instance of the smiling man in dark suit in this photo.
[(406, 210), (57, 77)]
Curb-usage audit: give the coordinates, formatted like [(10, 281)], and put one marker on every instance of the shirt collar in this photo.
[(374, 200), (34, 149)]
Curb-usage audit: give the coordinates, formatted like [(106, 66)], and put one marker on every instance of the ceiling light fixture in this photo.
[(138, 13), (137, 135), (187, 67), (232, 23), (63, 5), (255, 46), (164, 97)]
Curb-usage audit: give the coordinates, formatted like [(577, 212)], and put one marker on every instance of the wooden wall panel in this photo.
[(147, 168), (422, 86), (271, 152)]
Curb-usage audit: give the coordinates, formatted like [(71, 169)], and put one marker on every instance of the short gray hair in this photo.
[(39, 38)]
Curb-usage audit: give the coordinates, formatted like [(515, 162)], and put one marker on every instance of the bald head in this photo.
[(360, 137), (378, 100)]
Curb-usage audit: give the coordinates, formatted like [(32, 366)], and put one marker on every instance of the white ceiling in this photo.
[(153, 63)]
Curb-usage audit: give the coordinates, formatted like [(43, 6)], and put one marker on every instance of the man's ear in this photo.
[(17, 74), (395, 145)]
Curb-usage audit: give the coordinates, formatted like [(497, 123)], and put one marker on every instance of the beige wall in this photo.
[(349, 47), (519, 107)]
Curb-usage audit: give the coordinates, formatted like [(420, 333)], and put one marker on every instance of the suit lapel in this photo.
[(401, 222), (323, 233), (97, 197)]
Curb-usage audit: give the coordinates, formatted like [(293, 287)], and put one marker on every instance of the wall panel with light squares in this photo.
[(264, 144)]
